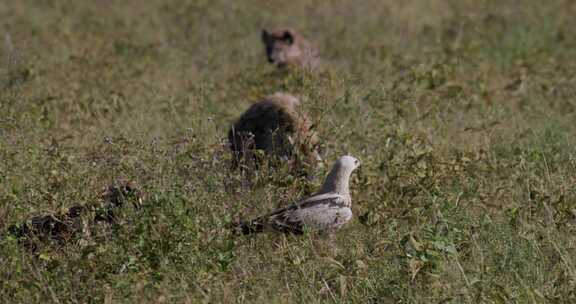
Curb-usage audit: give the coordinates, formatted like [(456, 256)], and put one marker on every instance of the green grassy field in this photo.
[(462, 113)]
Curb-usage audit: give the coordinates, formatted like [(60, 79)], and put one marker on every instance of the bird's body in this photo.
[(327, 210)]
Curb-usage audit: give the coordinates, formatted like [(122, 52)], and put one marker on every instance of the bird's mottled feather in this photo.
[(324, 211), (328, 210)]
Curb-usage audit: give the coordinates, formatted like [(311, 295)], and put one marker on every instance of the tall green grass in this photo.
[(461, 112)]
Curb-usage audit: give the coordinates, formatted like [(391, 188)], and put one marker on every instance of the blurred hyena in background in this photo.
[(278, 127), (289, 48)]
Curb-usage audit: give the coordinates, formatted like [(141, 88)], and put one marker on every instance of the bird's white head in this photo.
[(349, 162), (337, 180)]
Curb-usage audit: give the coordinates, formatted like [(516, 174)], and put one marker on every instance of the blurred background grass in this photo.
[(462, 113)]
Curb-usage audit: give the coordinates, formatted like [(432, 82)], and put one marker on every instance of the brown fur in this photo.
[(276, 126), (288, 48)]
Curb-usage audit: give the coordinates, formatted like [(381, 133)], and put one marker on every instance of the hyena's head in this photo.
[(282, 47)]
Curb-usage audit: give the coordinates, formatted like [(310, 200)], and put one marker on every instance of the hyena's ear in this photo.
[(265, 36), (288, 37)]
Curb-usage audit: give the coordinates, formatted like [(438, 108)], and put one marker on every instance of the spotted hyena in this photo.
[(287, 47), (277, 126)]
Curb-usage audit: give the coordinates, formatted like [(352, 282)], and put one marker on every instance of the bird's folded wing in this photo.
[(317, 212), (310, 201), (334, 198), (326, 215)]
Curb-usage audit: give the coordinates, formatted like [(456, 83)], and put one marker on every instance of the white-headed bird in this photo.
[(326, 210)]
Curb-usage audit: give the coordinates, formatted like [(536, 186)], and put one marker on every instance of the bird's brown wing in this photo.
[(317, 212)]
